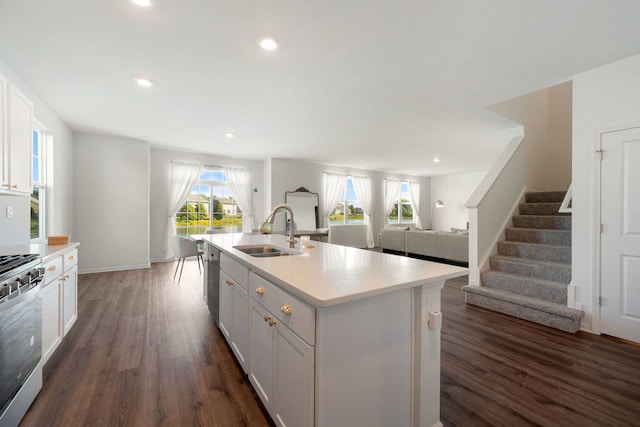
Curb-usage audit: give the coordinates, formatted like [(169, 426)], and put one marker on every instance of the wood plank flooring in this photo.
[(144, 352), (501, 371)]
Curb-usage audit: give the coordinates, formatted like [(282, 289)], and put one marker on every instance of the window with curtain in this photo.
[(348, 210), (402, 211), (211, 205), (38, 177)]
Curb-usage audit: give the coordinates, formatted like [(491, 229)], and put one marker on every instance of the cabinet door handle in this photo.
[(286, 309), (260, 291), (271, 322), (267, 318), (52, 268), (229, 282), (15, 186), (71, 257)]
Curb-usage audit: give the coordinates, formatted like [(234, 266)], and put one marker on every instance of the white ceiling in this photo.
[(376, 84)]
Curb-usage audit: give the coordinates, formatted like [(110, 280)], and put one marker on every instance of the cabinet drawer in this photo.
[(290, 310), (52, 269), (235, 270), (70, 259)]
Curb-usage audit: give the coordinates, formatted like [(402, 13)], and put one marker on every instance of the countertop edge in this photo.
[(435, 282)]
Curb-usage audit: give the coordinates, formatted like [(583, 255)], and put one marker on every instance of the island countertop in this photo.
[(326, 274)]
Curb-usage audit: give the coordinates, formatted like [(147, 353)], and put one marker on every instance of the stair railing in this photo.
[(566, 206)]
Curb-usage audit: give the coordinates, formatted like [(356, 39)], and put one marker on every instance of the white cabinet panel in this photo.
[(51, 332), (281, 366), (261, 352), (240, 335), (226, 306), (234, 309), (69, 299), (20, 131), (293, 379)]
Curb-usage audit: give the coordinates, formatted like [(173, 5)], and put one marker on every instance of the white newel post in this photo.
[(426, 355)]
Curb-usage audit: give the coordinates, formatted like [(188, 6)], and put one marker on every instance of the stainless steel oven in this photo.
[(20, 335)]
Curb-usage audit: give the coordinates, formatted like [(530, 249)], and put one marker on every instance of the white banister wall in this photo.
[(492, 205)]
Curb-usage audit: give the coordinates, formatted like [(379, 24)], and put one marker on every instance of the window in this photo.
[(38, 178), (402, 211), (348, 210), (209, 206)]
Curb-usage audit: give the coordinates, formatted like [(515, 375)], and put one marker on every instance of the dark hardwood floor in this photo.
[(501, 371), (144, 352)]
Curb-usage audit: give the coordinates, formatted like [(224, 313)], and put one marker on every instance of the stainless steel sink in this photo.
[(265, 251)]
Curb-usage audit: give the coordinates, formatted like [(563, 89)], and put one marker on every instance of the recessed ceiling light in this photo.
[(142, 2), (268, 43), (229, 135), (144, 82), (436, 160)]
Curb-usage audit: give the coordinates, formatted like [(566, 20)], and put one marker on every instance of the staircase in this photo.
[(529, 276)]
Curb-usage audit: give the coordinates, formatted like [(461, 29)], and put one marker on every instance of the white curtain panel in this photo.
[(183, 178), (239, 181), (414, 192), (391, 193), (334, 184), (362, 187)]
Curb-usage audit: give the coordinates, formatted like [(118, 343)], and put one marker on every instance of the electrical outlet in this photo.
[(9, 211)]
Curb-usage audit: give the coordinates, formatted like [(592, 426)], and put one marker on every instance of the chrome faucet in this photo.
[(266, 228)]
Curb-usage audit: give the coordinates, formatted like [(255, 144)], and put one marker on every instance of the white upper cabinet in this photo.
[(16, 132), (4, 149)]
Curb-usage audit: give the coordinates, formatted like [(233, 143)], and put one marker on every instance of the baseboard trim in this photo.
[(114, 268)]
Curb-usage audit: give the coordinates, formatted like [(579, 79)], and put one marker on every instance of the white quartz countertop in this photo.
[(328, 274), (46, 251)]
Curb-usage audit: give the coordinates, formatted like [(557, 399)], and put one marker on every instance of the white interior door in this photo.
[(620, 236)]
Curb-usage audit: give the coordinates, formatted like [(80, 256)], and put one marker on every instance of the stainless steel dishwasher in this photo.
[(211, 285)]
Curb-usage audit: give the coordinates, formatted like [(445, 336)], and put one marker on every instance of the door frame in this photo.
[(596, 322)]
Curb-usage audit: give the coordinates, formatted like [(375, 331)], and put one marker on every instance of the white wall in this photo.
[(605, 98), (59, 197), (288, 175), (160, 174), (112, 209), (546, 119), (454, 191), (15, 231)]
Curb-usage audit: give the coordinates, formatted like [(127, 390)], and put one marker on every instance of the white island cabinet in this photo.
[(234, 306), (281, 357), (339, 336)]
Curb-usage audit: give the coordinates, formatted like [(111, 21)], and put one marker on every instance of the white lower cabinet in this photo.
[(51, 332), (281, 363), (69, 299), (234, 307), (59, 299)]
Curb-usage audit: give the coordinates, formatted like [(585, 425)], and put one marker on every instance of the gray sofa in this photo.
[(448, 246)]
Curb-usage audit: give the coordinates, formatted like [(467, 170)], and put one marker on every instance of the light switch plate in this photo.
[(9, 211)]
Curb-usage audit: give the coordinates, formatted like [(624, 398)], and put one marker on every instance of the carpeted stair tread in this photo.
[(547, 290), (548, 222), (557, 316), (545, 196), (536, 251), (537, 235), (556, 271), (539, 208)]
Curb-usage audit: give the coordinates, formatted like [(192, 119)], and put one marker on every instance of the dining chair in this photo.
[(184, 247)]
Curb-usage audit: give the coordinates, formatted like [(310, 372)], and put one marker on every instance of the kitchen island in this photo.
[(333, 335)]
